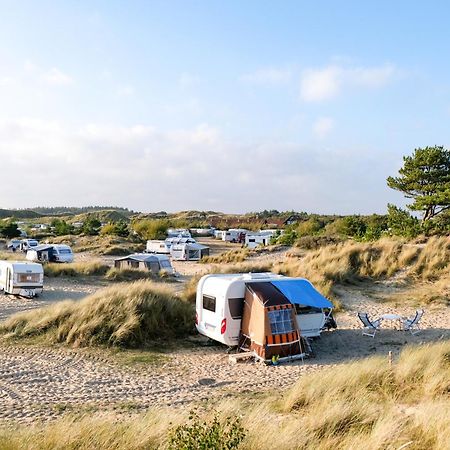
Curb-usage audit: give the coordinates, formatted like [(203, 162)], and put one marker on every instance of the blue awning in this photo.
[(302, 292)]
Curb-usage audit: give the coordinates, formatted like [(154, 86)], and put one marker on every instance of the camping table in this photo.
[(395, 318)]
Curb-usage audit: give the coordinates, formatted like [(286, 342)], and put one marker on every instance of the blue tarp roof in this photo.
[(302, 292)]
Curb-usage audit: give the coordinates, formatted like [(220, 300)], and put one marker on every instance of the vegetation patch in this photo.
[(77, 269), (129, 315)]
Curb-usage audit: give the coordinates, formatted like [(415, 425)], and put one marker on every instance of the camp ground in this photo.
[(144, 261), (22, 278), (229, 306)]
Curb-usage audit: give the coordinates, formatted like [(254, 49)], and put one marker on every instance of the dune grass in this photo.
[(351, 261), (76, 269), (130, 315), (232, 256), (363, 404)]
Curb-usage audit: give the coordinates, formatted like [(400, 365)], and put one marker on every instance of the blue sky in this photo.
[(232, 106)]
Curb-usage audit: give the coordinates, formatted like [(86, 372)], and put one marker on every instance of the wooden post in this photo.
[(390, 359)]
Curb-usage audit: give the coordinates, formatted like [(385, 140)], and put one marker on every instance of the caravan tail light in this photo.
[(223, 326), (196, 318)]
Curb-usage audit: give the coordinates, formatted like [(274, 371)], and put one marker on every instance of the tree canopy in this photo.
[(425, 178)]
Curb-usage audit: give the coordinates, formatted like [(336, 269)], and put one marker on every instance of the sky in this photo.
[(230, 106)]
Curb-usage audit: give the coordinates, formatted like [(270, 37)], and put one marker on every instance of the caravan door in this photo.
[(9, 281)]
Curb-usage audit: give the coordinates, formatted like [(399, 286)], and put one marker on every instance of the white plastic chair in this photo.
[(412, 325), (370, 328)]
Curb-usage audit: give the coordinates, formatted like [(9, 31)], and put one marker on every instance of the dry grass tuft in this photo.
[(351, 261), (232, 256), (127, 315), (76, 269)]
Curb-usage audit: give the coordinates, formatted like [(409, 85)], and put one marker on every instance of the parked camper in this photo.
[(203, 232), (157, 246), (183, 250), (21, 278), (219, 234), (62, 253), (220, 300), (178, 233), (27, 244), (14, 244), (178, 240), (262, 238), (235, 235), (51, 253), (145, 261)]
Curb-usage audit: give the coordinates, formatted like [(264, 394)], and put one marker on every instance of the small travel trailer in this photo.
[(184, 250), (14, 244), (21, 278), (219, 234), (220, 304), (178, 233), (262, 238), (235, 235), (28, 244), (202, 232), (51, 253), (145, 261), (157, 246)]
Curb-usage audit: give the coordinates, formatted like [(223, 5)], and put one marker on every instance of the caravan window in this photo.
[(28, 277), (165, 264), (281, 321), (209, 303), (236, 306)]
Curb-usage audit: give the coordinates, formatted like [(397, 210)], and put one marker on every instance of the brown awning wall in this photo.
[(268, 323)]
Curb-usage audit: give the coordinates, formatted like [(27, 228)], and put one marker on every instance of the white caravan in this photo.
[(178, 233), (62, 253), (234, 235), (28, 244), (21, 278), (253, 240), (51, 253), (157, 246), (220, 300)]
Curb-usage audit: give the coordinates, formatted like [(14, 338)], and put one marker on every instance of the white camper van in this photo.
[(62, 253), (21, 278), (28, 244), (262, 238), (157, 246), (220, 299)]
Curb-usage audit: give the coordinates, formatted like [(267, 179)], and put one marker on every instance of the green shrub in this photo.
[(207, 435)]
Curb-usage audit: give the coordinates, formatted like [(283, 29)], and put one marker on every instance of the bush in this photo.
[(207, 435), (151, 229), (76, 269), (129, 315)]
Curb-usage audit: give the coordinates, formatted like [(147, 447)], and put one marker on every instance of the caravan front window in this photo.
[(209, 303), (281, 321), (28, 277)]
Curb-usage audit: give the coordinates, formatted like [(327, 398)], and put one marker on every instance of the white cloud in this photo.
[(267, 76), (56, 77), (149, 169), (323, 126), (324, 84)]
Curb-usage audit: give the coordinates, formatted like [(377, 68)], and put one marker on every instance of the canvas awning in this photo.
[(302, 292)]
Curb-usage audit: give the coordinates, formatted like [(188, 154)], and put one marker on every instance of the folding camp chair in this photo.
[(412, 325), (370, 328)]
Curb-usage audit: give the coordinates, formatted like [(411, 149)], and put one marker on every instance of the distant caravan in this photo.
[(51, 253), (21, 278)]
